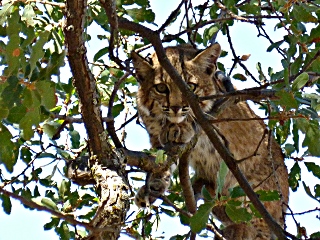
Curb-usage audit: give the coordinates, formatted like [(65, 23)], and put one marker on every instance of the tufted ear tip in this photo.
[(207, 59), (142, 67)]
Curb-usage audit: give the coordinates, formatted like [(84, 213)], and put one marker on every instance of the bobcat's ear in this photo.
[(144, 70), (207, 59)]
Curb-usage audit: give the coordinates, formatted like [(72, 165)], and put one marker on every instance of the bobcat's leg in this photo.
[(158, 184)]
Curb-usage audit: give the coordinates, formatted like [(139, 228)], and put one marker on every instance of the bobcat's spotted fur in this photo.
[(168, 118)]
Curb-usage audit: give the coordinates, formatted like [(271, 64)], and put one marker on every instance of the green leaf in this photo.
[(64, 188), (237, 214), (205, 193), (37, 51), (271, 195), (294, 176), (31, 99), (11, 94), (32, 118), (289, 148), (64, 231), (302, 15), (13, 51), (199, 220), (75, 139), (250, 8), (315, 235), (4, 112), (161, 157), (116, 109), (25, 155), (141, 14), (312, 138), (236, 192), (240, 77), (308, 191), (9, 151), (317, 190), (6, 204), (274, 45), (28, 15), (295, 134), (315, 34), (47, 202), (312, 167), (54, 223), (4, 11), (100, 53), (223, 170), (300, 81), (46, 90), (286, 99)]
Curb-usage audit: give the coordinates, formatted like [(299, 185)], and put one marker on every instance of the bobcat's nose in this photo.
[(175, 109)]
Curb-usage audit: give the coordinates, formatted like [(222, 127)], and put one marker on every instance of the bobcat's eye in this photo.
[(192, 86), (162, 88)]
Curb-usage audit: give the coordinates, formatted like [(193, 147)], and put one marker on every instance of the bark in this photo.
[(108, 168)]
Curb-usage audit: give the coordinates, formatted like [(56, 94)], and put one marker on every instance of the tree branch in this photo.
[(244, 95), (83, 78), (114, 200)]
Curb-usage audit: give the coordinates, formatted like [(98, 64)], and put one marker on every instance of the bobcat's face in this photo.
[(160, 98)]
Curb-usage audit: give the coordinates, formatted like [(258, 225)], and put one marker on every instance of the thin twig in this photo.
[(237, 59), (110, 125), (61, 215), (302, 213), (171, 17)]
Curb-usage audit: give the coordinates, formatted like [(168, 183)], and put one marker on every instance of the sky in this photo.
[(28, 225)]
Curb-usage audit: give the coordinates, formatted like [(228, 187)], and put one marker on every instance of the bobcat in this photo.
[(168, 118)]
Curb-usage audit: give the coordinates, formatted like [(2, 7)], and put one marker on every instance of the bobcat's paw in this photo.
[(177, 133), (159, 184)]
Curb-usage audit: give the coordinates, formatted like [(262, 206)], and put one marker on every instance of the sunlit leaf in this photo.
[(47, 202), (300, 81), (161, 157), (28, 15)]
